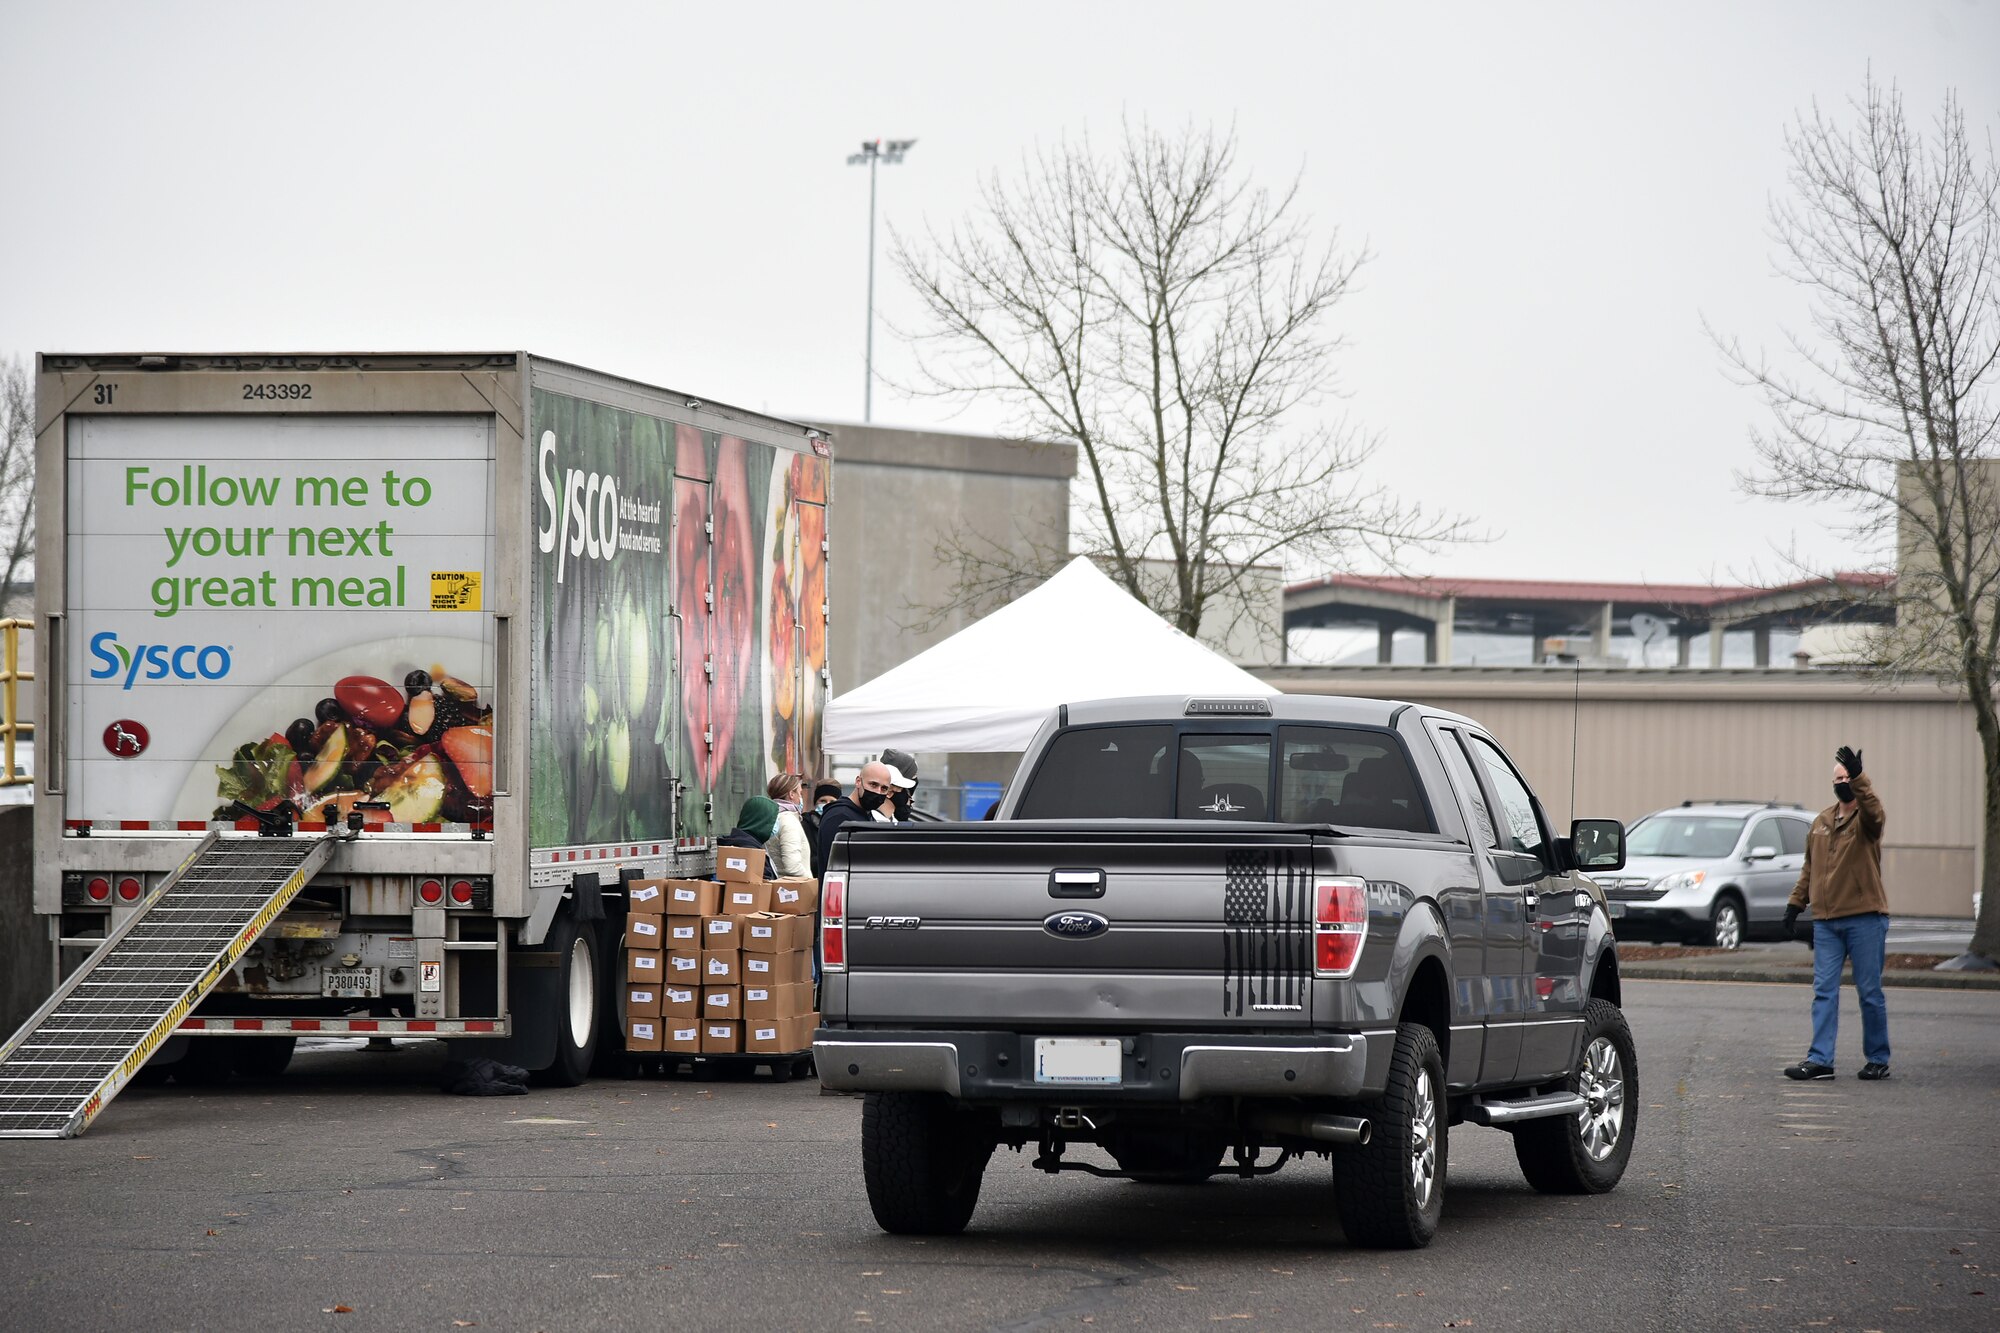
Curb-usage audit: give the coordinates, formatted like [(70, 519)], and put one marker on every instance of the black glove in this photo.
[(1849, 759), (1791, 921)]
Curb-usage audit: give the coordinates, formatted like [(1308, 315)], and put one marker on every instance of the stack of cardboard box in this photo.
[(732, 969)]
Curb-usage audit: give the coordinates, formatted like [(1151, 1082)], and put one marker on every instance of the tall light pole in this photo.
[(874, 152)]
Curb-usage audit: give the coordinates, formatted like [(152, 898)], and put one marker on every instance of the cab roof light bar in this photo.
[(1228, 708)]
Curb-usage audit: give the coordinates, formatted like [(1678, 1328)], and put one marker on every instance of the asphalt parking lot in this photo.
[(351, 1195)]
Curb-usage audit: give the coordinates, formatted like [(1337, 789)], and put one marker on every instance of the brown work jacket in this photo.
[(1842, 875)]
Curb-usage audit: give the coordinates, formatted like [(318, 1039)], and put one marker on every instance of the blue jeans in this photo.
[(1862, 941)]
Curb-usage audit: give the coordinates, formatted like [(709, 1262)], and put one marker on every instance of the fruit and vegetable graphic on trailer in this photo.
[(649, 643)]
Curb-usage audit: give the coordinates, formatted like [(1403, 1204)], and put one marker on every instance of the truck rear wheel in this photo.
[(923, 1162), (1390, 1190), (577, 1008), (1586, 1153)]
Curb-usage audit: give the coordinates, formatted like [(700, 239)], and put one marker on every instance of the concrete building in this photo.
[(1575, 619), (897, 495), (1647, 740)]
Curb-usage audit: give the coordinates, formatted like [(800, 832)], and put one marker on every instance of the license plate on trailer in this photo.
[(351, 983), (1079, 1060)]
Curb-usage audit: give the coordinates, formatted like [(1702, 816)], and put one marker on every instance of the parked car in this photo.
[(1709, 872)]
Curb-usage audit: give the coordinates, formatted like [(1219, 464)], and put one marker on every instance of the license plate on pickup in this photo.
[(351, 983), (1079, 1060)]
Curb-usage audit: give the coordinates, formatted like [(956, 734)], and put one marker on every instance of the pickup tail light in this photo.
[(833, 924), (1340, 925)]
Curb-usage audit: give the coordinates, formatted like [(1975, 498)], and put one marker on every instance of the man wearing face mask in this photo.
[(1842, 882), (872, 790), (903, 772)]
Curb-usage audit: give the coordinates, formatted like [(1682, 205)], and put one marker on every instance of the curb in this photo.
[(1667, 970)]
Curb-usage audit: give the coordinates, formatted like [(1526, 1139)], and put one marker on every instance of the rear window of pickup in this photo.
[(1293, 774)]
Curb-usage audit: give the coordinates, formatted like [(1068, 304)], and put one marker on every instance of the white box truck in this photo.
[(368, 681)]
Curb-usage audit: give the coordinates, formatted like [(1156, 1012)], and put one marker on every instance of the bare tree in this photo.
[(1171, 320), (17, 477), (1889, 407)]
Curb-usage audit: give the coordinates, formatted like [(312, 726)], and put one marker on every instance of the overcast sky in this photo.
[(1557, 198)]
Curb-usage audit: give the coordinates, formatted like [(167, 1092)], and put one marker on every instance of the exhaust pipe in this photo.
[(1343, 1129)]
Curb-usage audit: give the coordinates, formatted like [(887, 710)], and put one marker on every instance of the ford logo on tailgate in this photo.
[(1075, 925)]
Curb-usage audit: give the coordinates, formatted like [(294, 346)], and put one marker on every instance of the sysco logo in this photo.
[(582, 516), (155, 661)]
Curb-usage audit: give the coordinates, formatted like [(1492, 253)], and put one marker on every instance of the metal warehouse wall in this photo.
[(1644, 740)]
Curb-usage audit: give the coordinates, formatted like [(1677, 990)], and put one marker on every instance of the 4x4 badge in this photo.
[(1075, 925)]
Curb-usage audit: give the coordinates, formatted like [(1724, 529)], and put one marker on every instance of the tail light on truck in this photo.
[(833, 924), (1340, 925), (85, 889)]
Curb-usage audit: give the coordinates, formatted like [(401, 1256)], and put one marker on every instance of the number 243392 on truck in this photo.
[(1206, 929)]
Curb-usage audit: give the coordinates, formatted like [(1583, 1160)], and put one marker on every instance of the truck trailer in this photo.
[(368, 681)]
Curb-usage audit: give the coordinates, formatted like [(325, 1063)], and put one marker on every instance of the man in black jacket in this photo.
[(872, 790)]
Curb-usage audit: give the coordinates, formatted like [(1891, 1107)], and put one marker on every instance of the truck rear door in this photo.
[(1090, 925)]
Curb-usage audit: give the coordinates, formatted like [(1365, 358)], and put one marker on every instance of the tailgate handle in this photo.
[(1076, 884)]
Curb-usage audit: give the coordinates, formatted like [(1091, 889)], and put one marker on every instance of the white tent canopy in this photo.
[(988, 687)]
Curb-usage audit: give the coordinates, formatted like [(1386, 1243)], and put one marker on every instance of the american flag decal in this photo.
[(1267, 929)]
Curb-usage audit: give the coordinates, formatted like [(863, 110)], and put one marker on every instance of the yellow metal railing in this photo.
[(11, 725)]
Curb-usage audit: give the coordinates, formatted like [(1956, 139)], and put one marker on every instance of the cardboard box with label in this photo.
[(644, 965), (721, 1038), (646, 897), (721, 932), (772, 932), (767, 1001), (680, 1001), (693, 897), (780, 1035), (683, 932), (642, 1034), (777, 969), (683, 1035), (724, 967), (645, 932), (683, 968), (795, 897), (721, 1002), (745, 898), (739, 865), (642, 1001)]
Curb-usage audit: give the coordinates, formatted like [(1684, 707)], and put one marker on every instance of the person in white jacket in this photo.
[(791, 852)]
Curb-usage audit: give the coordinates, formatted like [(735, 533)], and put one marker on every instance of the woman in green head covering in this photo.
[(754, 824)]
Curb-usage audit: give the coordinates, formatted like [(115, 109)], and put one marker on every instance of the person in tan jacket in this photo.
[(1842, 882)]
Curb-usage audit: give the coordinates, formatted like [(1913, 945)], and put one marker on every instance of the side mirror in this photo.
[(1761, 854), (1597, 844)]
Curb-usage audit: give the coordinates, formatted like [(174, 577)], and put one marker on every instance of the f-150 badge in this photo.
[(1075, 925)]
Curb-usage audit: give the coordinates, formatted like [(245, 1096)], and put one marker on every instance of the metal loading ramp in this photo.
[(82, 1047)]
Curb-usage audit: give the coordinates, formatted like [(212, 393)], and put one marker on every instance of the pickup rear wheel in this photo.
[(1390, 1190), (923, 1162), (1586, 1153)]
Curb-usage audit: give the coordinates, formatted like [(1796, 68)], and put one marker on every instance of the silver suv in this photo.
[(1709, 872)]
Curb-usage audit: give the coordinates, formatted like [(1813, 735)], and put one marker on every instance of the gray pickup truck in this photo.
[(1201, 929)]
